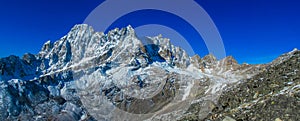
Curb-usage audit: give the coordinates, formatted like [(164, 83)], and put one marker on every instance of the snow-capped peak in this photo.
[(118, 64)]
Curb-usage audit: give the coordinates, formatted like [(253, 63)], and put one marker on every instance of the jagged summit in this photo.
[(229, 60), (210, 58)]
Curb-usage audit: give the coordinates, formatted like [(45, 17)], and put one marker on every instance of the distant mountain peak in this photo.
[(230, 60)]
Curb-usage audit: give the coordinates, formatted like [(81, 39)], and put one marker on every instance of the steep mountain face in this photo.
[(88, 75)]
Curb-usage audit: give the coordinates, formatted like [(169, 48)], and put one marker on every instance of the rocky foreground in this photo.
[(272, 95)]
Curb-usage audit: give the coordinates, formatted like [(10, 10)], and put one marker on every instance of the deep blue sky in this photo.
[(253, 31)]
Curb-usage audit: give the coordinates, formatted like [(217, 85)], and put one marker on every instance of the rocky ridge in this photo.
[(270, 95)]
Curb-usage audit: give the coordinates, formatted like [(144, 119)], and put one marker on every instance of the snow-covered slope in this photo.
[(88, 75)]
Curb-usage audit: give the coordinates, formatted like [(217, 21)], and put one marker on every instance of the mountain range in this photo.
[(88, 75)]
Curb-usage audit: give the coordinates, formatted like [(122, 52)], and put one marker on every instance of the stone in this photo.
[(256, 95), (278, 119), (227, 118)]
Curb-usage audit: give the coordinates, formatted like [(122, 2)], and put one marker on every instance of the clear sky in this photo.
[(253, 31)]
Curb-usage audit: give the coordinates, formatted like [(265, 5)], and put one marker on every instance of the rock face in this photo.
[(88, 75)]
